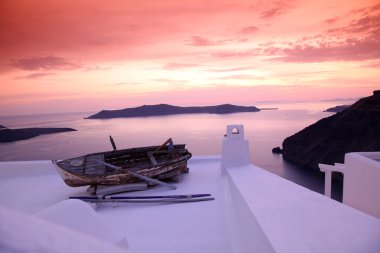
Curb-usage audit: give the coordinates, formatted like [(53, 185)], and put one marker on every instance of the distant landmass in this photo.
[(338, 108), (356, 129), (9, 135), (165, 109), (268, 109)]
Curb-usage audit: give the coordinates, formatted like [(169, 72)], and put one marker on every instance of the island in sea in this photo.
[(165, 109), (10, 135), (337, 108), (355, 129)]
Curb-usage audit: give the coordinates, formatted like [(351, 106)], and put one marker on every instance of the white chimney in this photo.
[(235, 148)]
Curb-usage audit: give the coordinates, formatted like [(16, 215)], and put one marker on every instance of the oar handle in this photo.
[(163, 145), (183, 196), (113, 143), (148, 200)]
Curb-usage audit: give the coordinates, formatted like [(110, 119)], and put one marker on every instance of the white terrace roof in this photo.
[(253, 211)]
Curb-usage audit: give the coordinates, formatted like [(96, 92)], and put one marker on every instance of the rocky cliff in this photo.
[(352, 130)]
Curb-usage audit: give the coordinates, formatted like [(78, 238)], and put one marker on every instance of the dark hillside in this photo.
[(352, 130)]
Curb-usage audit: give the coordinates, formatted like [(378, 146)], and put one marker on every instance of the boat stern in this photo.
[(69, 178)]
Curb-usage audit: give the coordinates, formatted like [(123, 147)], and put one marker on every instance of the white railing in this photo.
[(361, 183)]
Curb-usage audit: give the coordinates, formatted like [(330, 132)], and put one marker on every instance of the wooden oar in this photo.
[(148, 179), (169, 200), (113, 143), (188, 196), (163, 145)]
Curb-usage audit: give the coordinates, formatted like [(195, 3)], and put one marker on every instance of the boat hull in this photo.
[(170, 165)]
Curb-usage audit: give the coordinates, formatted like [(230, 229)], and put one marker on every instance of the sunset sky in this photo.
[(74, 55)]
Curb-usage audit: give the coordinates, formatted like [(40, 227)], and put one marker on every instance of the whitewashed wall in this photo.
[(361, 188)]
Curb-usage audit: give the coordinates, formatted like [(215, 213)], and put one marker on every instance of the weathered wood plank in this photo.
[(145, 178), (108, 190)]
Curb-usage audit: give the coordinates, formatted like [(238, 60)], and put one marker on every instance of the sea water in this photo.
[(202, 133)]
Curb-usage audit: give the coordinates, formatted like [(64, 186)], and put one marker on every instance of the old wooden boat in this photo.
[(157, 162)]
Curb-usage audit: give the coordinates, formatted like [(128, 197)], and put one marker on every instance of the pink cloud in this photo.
[(272, 9), (354, 50), (94, 32), (235, 53), (124, 84), (170, 81), (34, 75), (362, 42), (44, 63), (331, 21), (376, 7), (229, 69), (175, 66), (241, 77), (369, 24), (95, 68), (258, 51), (372, 65), (199, 41), (357, 41), (249, 30), (348, 50)]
